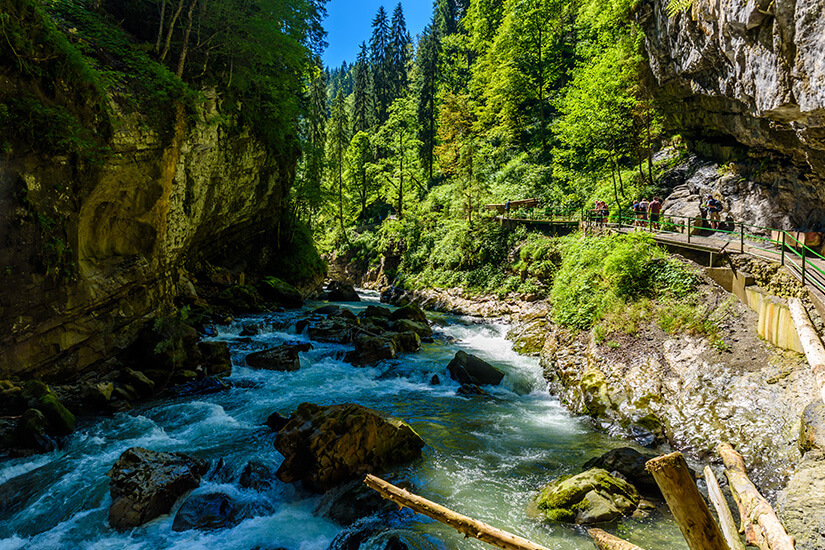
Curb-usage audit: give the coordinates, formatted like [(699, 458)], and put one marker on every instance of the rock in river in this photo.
[(145, 484), (280, 358), (325, 446), (630, 463), (593, 496), (469, 369), (207, 512)]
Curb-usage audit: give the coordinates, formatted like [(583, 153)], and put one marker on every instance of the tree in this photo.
[(307, 191), (359, 156), (399, 136), (457, 135), (426, 88), (361, 100), (337, 143), (379, 44), (398, 54)]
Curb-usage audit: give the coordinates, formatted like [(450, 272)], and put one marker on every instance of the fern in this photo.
[(675, 6)]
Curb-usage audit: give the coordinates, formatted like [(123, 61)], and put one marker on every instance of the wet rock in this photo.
[(328, 309), (801, 505), (145, 484), (332, 329), (528, 336), (352, 501), (257, 475), (372, 349), (470, 389), (325, 446), (376, 311), (341, 292), (408, 341), (216, 358), (469, 369), (283, 358), (11, 397), (249, 329), (137, 380), (630, 463), (276, 421), (32, 432), (435, 380), (240, 298), (410, 312), (593, 496), (812, 431), (98, 394), (275, 290), (406, 325), (207, 513)]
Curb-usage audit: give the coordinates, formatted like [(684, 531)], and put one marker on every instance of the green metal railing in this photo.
[(762, 242)]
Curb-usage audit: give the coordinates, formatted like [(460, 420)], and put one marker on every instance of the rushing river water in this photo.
[(485, 456)]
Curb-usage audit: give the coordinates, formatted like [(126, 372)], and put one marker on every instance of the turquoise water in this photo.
[(485, 457)]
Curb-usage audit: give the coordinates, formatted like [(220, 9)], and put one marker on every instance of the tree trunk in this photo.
[(649, 147), (465, 525), (605, 541), (762, 527), (160, 27), (723, 512), (685, 502), (187, 32), (170, 30), (401, 172), (814, 350)]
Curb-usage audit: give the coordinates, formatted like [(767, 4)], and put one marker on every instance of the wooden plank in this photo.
[(605, 541), (463, 524), (685, 502), (761, 526), (723, 512)]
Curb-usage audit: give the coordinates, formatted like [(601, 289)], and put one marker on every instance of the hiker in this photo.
[(655, 207), (637, 213), (603, 212), (715, 210), (507, 208), (644, 205)]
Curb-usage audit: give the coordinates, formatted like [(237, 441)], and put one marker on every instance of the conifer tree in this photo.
[(398, 53), (337, 143), (426, 89), (379, 44), (361, 100)]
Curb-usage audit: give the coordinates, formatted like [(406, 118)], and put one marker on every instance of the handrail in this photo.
[(787, 245)]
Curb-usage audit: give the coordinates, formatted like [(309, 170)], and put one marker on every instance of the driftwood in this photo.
[(685, 502), (814, 350), (465, 525), (761, 526), (723, 512), (605, 541)]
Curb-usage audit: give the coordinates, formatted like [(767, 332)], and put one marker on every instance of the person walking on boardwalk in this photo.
[(655, 207), (715, 211), (507, 208), (643, 206)]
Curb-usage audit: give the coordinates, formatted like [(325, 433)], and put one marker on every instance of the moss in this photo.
[(61, 420), (561, 499)]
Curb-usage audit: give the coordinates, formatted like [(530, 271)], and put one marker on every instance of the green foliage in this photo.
[(676, 6)]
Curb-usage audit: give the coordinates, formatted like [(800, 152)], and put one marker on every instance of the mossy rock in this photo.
[(243, 298), (593, 496), (61, 420), (595, 392), (32, 431), (273, 289), (411, 312)]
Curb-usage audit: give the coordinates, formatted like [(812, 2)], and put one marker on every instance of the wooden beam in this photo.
[(605, 541), (686, 503), (723, 512), (814, 350), (762, 527), (467, 526)]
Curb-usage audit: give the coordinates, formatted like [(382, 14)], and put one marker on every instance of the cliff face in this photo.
[(749, 76), (92, 250)]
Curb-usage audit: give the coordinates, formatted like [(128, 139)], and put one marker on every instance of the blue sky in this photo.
[(348, 23)]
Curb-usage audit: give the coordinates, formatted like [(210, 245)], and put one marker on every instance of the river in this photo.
[(485, 456)]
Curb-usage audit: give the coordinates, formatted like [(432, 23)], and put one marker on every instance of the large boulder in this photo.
[(372, 349), (332, 329), (326, 446), (812, 430), (275, 290), (281, 358), (145, 484), (216, 358), (406, 325), (341, 292), (630, 464), (593, 496), (469, 369), (410, 312), (801, 505), (207, 513)]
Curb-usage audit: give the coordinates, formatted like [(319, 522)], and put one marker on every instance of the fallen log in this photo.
[(467, 526), (814, 350), (729, 529), (685, 502), (605, 541), (761, 526)]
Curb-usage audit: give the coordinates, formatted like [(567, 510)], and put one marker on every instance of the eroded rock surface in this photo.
[(325, 446), (593, 496)]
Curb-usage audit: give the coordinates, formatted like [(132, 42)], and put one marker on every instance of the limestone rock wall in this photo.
[(91, 250), (749, 76)]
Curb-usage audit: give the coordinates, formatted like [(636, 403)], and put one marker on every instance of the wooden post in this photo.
[(762, 527), (688, 229), (742, 237), (723, 512), (685, 502), (814, 350), (465, 525), (803, 264), (783, 248), (605, 541)]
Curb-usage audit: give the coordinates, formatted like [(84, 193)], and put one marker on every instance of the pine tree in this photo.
[(426, 90), (445, 17), (308, 189), (337, 143), (398, 54), (379, 44), (361, 100)]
